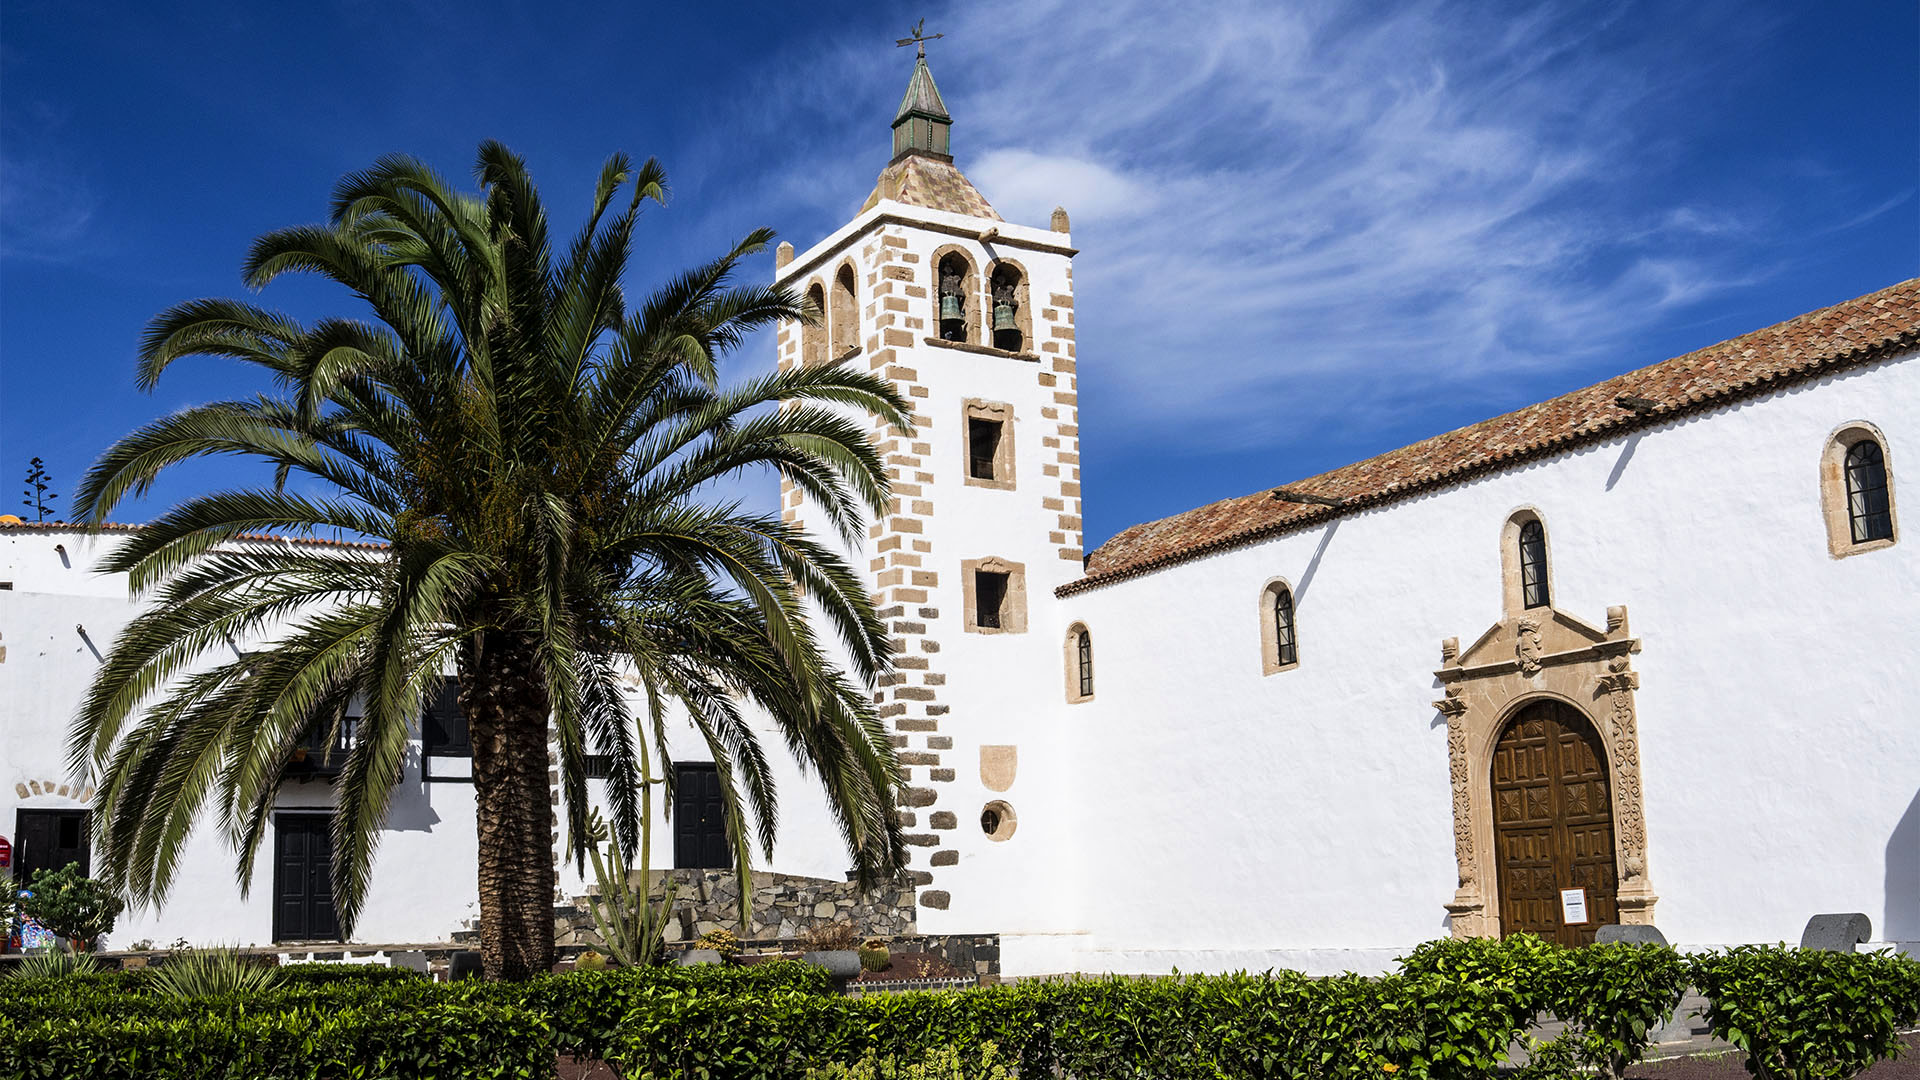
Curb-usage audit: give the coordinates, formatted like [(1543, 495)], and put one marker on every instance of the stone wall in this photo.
[(784, 907)]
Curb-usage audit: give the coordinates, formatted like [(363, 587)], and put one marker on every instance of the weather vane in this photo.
[(918, 38)]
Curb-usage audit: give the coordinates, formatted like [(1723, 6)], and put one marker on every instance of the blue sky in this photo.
[(1309, 234)]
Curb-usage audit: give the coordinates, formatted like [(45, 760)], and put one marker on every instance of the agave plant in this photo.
[(200, 973), (55, 965)]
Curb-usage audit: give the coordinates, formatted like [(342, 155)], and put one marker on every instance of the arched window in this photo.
[(1079, 664), (1286, 648), (845, 321), (813, 335), (1279, 630), (1856, 490), (953, 297), (1533, 565), (1869, 513), (1009, 307)]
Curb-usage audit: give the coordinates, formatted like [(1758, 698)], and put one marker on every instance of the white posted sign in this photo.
[(1573, 906)]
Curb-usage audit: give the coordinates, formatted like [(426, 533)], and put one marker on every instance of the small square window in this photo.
[(987, 427), (990, 597), (995, 595), (983, 445)]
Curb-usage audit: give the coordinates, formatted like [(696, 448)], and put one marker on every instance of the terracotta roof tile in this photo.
[(118, 527), (1858, 331)]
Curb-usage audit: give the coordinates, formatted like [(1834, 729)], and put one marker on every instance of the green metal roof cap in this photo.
[(922, 97)]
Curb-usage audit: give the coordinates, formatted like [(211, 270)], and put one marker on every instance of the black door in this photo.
[(699, 821), (302, 881), (49, 840)]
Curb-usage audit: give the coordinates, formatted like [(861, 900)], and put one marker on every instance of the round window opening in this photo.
[(997, 820)]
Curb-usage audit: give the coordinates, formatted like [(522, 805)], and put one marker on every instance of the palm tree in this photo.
[(537, 456)]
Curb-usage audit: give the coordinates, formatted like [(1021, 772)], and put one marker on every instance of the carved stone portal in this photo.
[(1544, 653)]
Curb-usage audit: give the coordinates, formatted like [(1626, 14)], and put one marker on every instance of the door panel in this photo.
[(699, 819), (1553, 823), (302, 879), (49, 840)]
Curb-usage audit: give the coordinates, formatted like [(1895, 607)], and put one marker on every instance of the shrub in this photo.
[(782, 1034), (586, 1008), (1522, 967), (323, 974), (1284, 1025), (205, 973), (1805, 1014), (71, 905), (1614, 997), (437, 1040), (948, 1063)]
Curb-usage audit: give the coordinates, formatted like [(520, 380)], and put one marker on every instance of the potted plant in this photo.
[(71, 906), (834, 946)]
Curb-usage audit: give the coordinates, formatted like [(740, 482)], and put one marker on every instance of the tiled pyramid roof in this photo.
[(921, 180), (1858, 331)]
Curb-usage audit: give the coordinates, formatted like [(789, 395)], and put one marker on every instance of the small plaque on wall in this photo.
[(1573, 906)]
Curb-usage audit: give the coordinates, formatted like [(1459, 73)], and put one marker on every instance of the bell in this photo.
[(950, 307), (1003, 316)]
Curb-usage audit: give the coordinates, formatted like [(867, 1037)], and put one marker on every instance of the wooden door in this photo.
[(1552, 823), (303, 879), (49, 840), (699, 819)]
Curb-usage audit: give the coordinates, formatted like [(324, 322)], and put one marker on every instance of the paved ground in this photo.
[(1686, 1050), (1726, 1066)]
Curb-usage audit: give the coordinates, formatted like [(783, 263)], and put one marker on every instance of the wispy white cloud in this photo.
[(1305, 216), (46, 211)]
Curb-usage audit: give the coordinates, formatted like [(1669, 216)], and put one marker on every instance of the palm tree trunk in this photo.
[(505, 701)]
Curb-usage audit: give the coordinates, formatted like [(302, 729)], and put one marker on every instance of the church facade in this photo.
[(1644, 653)]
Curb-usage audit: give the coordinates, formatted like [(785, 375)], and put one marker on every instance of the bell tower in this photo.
[(971, 318)]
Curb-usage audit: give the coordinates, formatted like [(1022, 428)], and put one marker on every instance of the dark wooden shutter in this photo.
[(49, 840), (444, 727), (699, 820)]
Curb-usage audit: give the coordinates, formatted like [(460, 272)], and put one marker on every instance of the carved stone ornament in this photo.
[(1545, 653), (1527, 646)]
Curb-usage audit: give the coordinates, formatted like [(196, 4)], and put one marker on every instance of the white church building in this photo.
[(1645, 653)]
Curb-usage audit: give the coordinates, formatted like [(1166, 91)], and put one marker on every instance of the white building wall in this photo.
[(1304, 818), (980, 683), (425, 878)]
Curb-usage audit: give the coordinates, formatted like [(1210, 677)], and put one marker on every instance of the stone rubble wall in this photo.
[(785, 906)]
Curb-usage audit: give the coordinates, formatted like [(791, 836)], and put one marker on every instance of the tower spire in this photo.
[(922, 124)]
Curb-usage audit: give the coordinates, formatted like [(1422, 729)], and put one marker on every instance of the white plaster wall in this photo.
[(424, 883), (1304, 818), (1025, 886)]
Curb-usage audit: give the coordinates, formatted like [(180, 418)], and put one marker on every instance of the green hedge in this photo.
[(1280, 1025), (1449, 1015), (436, 1040), (323, 974), (1802, 1014), (581, 1011)]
